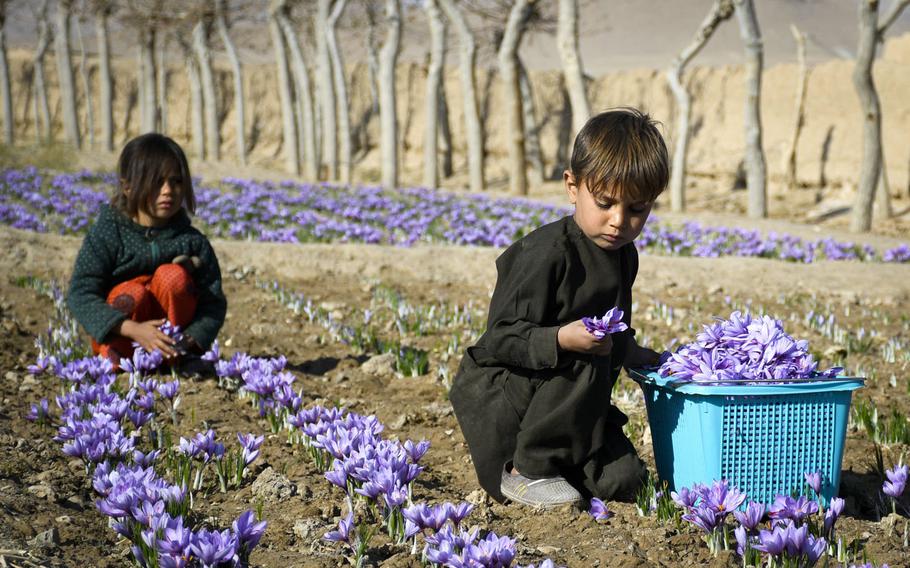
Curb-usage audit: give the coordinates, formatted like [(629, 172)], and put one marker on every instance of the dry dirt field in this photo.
[(40, 488)]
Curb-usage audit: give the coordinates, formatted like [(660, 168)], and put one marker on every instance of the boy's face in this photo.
[(610, 220)]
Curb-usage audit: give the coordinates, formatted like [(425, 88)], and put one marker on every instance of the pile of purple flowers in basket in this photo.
[(743, 349)]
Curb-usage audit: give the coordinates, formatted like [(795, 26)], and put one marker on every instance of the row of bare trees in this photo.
[(873, 184), (317, 137)]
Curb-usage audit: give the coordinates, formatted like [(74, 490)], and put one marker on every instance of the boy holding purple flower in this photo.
[(532, 397)]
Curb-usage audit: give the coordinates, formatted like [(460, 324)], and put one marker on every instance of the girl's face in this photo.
[(164, 204), (611, 221)]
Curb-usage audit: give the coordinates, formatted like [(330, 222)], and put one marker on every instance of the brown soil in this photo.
[(40, 488)]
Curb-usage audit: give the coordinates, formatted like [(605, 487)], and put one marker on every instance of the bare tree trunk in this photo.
[(342, 105), (388, 114), (720, 11), (326, 91), (65, 73), (161, 80), (210, 100), (148, 92), (532, 136), (42, 107), (883, 192), (790, 154), (373, 58), (6, 93), (106, 86), (508, 71), (434, 79), (861, 220), (306, 119), (445, 132), (567, 41), (473, 127), (870, 33), (237, 70), (83, 73), (197, 122), (755, 156), (288, 128)]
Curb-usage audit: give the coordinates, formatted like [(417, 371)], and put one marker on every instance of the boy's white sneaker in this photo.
[(543, 493)]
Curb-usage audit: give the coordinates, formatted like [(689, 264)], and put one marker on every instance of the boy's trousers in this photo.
[(561, 424)]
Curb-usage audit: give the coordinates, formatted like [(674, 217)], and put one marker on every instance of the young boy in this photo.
[(533, 395)]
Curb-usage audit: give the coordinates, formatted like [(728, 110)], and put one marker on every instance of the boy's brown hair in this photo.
[(145, 163), (621, 150)]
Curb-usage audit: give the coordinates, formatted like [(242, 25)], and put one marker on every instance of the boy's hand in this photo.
[(576, 337), (638, 356), (148, 336)]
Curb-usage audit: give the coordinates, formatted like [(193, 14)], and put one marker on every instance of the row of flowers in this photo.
[(791, 532), (298, 212), (146, 482)]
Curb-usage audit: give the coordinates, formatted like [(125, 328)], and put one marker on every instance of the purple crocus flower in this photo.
[(343, 534), (251, 445), (248, 531), (169, 390), (814, 548), (212, 548), (685, 498), (416, 451), (599, 510), (742, 539), (835, 508), (611, 322), (786, 507), (176, 539), (897, 481), (751, 517), (722, 498), (457, 513), (213, 355), (771, 542), (145, 460), (815, 481), (337, 475), (704, 518), (38, 412)]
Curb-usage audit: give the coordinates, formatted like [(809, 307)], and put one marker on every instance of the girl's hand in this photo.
[(638, 356), (576, 337), (149, 337)]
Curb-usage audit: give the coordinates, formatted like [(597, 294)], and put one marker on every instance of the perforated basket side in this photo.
[(768, 443)]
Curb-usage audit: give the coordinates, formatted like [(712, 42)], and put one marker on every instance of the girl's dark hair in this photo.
[(145, 163), (621, 151)]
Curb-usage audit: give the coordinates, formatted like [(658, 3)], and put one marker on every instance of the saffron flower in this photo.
[(897, 481), (786, 507), (611, 322), (751, 517), (343, 534), (685, 498), (815, 481), (599, 510)]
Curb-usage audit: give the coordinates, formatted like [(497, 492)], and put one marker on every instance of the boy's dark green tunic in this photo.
[(116, 249), (517, 396)]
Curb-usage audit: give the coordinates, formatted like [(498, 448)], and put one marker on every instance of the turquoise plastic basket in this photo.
[(762, 438)]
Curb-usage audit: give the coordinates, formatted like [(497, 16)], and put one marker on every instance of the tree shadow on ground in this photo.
[(318, 366), (863, 493)]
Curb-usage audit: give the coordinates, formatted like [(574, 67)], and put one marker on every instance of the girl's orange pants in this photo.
[(168, 293)]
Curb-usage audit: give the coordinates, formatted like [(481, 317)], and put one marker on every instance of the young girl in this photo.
[(142, 263), (532, 397)]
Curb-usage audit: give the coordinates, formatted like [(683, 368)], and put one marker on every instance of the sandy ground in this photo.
[(40, 489)]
